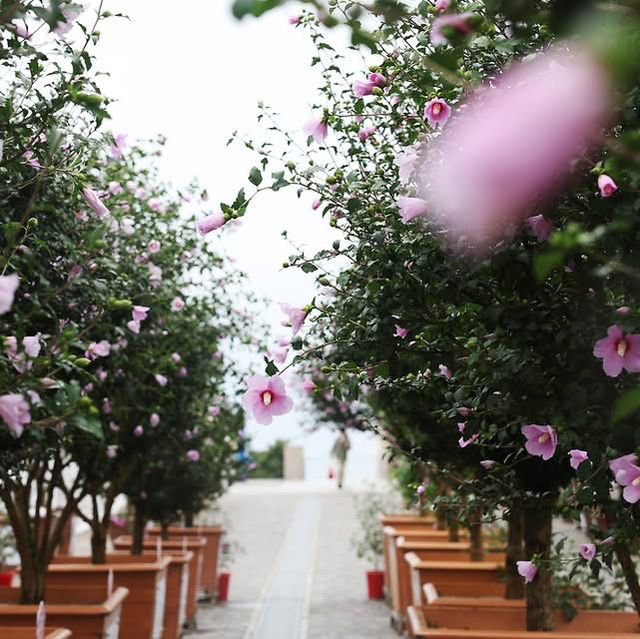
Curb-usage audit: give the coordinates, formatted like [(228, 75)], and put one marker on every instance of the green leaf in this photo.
[(255, 177), (270, 369), (87, 423), (544, 263), (308, 267), (626, 404), (242, 8)]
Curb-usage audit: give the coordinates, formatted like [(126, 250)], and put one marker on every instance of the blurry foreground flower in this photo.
[(14, 410), (8, 287)]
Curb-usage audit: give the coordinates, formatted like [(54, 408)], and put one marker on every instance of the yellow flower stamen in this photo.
[(622, 347), (267, 397)]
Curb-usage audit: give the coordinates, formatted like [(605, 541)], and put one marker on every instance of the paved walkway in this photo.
[(298, 578)]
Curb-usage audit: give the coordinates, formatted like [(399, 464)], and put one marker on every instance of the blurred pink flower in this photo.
[(193, 455), (463, 411), (182, 371), (315, 205), (475, 178), (175, 358), (488, 463), (620, 465), (541, 440), (138, 431), (266, 398), (98, 349), (540, 226), (363, 87), (95, 203), (587, 551), (210, 223), (154, 420), (366, 132), (459, 22), (421, 489), (308, 385), (436, 112), (627, 474), (576, 457), (618, 351), (134, 326), (606, 185), (623, 310), (115, 188), (528, 570), (70, 14), (445, 371), (153, 246), (401, 332), (441, 5), (155, 275), (112, 451), (463, 443), (318, 129), (406, 162), (296, 316), (177, 304), (15, 412), (377, 79), (106, 406), (8, 286), (139, 313), (161, 379), (213, 411), (411, 208), (293, 20), (117, 149)]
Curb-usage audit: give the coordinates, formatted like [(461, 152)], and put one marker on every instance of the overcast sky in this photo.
[(195, 75)]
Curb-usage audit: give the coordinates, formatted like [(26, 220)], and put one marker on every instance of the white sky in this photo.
[(195, 75)]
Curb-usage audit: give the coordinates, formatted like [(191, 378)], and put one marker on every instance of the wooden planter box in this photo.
[(212, 536), (30, 633), (92, 615), (455, 578), (407, 520), (144, 577), (495, 619), (194, 545), (426, 551)]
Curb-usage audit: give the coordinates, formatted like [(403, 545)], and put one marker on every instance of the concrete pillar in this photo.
[(293, 462)]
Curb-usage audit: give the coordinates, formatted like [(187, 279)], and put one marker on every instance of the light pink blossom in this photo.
[(445, 371), (401, 332), (296, 316), (587, 551), (95, 203), (193, 455), (70, 14), (623, 310), (106, 406), (8, 286), (117, 149), (175, 358), (377, 79), (210, 223), (436, 112), (627, 475), (406, 162), (411, 208), (308, 385), (540, 227), (318, 129), (177, 304), (463, 411), (293, 20), (134, 326), (463, 443), (213, 411), (618, 351), (541, 440), (155, 275), (488, 463), (112, 451), (139, 313), (266, 398), (115, 188), (138, 431), (528, 570), (15, 412), (441, 5), (154, 420), (459, 22), (363, 88), (182, 371), (366, 132), (98, 349), (576, 457), (161, 379), (153, 246), (606, 185), (421, 489)]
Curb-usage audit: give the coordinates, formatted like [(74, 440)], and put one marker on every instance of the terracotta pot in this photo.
[(116, 531), (212, 536), (6, 577), (479, 618), (196, 546), (223, 586), (375, 584), (87, 612), (30, 633), (144, 577), (426, 551)]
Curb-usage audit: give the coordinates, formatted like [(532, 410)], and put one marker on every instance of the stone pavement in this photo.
[(298, 577)]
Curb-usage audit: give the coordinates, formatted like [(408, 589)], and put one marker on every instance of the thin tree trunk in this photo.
[(515, 552), (188, 520), (475, 533), (623, 555), (98, 545), (139, 524), (454, 527), (537, 541), (164, 527)]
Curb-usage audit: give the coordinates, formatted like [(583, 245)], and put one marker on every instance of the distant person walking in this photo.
[(339, 451)]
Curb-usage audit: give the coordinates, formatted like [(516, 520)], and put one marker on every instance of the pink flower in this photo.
[(421, 489), (115, 188), (576, 457), (177, 304), (74, 272), (153, 246), (308, 385), (541, 440), (363, 87), (475, 179), (629, 477), (623, 310), (315, 205), (154, 420), (296, 316), (112, 451), (193, 455), (266, 398), (587, 551), (139, 313), (210, 223), (366, 132), (401, 332), (213, 411), (293, 20), (461, 426), (134, 326), (161, 379), (31, 345), (445, 371), (30, 160), (318, 129), (618, 351), (606, 185), (106, 406), (463, 411), (410, 208), (182, 371), (459, 22), (14, 410), (620, 466), (441, 5), (98, 349), (155, 275), (436, 112), (8, 286), (138, 431), (175, 358), (95, 203), (70, 14), (117, 149), (488, 463), (528, 570), (540, 226), (406, 162), (463, 443), (377, 79)]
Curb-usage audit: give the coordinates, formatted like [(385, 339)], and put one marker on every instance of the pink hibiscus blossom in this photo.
[(463, 443), (177, 304), (296, 316), (153, 246), (441, 5), (134, 326), (587, 551), (363, 88), (366, 132), (629, 477), (161, 379), (139, 313), (406, 162), (445, 371), (528, 570), (15, 412), (193, 455), (213, 411), (117, 149), (576, 457), (8, 286), (98, 349), (541, 440), (540, 227), (411, 208), (421, 489), (618, 351), (475, 179), (436, 112), (155, 275), (606, 185), (210, 223), (488, 463), (138, 431), (458, 22), (308, 385), (266, 398), (154, 420), (95, 203), (70, 14), (318, 129), (401, 332)]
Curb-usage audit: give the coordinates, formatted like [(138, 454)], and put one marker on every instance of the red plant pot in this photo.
[(6, 577), (223, 585), (375, 583)]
